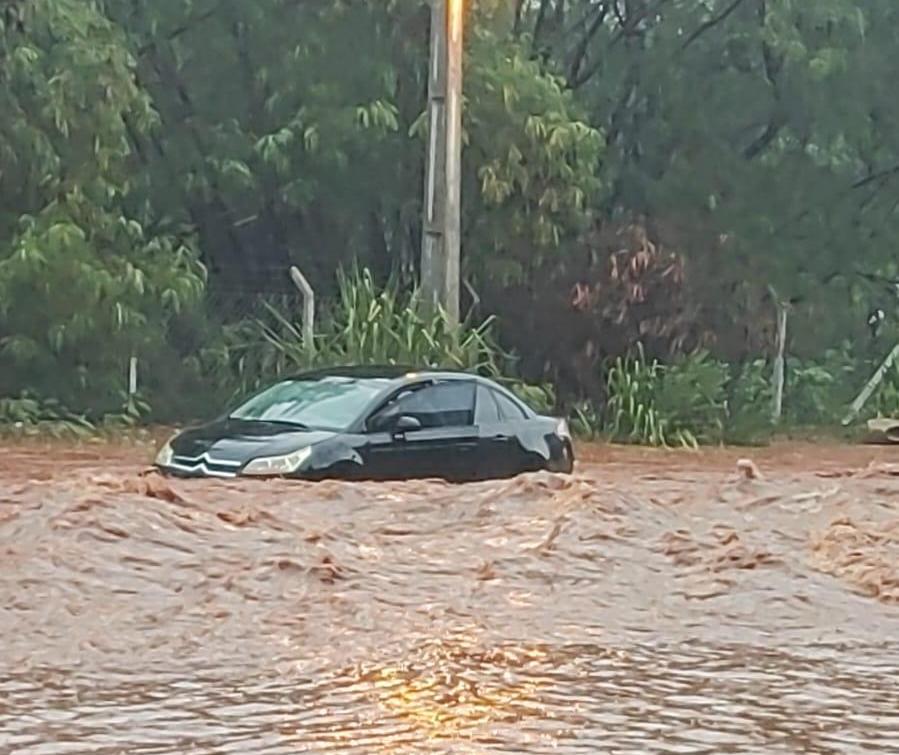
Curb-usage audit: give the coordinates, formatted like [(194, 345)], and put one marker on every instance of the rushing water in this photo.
[(639, 606)]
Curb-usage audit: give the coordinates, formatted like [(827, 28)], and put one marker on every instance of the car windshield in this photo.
[(326, 403)]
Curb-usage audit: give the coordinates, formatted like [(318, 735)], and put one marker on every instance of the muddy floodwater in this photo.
[(651, 603)]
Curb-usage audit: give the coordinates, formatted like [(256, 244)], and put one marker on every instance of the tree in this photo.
[(88, 273), (752, 132), (750, 143)]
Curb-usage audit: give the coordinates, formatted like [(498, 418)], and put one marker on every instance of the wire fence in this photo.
[(211, 351)]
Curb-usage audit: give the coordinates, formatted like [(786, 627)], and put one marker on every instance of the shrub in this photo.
[(680, 404), (28, 415), (692, 398), (749, 400)]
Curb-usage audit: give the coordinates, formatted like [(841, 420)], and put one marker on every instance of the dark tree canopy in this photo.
[(152, 151)]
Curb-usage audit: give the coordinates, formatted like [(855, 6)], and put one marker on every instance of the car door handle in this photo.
[(500, 436)]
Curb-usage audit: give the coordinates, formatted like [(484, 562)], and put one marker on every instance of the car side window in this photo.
[(447, 404), (508, 409), (486, 411)]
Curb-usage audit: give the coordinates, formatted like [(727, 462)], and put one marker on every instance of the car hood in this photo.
[(236, 440)]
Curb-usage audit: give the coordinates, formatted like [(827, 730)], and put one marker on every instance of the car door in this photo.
[(514, 421), (445, 445), (497, 444)]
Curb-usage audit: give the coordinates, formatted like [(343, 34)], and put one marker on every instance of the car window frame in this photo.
[(483, 387), (523, 414), (416, 387)]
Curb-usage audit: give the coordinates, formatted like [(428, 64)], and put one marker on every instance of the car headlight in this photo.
[(164, 457), (276, 466)]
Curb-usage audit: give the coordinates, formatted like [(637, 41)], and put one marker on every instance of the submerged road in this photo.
[(652, 603)]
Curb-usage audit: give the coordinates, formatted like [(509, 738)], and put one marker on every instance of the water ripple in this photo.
[(687, 611)]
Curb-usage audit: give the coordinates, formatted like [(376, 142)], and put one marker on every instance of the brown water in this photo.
[(652, 603)]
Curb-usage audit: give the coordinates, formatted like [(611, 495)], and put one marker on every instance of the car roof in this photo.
[(395, 373), (361, 372), (399, 375)]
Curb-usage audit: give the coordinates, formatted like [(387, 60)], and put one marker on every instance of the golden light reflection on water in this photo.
[(682, 611), (451, 688)]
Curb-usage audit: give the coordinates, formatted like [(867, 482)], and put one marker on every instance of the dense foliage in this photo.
[(365, 324), (652, 171)]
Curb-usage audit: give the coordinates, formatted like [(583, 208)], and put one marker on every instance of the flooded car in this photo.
[(375, 424)]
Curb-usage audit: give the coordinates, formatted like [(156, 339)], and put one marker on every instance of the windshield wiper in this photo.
[(298, 425)]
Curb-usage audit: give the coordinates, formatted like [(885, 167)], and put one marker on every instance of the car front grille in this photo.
[(205, 466)]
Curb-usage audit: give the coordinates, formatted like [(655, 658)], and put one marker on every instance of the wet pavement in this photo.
[(652, 603)]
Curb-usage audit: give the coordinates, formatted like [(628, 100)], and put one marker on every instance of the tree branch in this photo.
[(538, 25), (190, 23), (764, 140), (185, 27), (580, 52), (883, 176), (519, 12), (711, 23), (627, 28), (773, 65), (873, 177), (560, 13), (631, 22)]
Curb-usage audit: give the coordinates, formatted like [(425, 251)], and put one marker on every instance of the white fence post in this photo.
[(308, 294), (132, 376), (779, 364)]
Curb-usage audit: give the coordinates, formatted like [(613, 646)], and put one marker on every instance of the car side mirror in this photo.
[(406, 424)]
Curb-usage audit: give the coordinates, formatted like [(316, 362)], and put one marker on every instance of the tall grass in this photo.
[(366, 324), (681, 404), (697, 399)]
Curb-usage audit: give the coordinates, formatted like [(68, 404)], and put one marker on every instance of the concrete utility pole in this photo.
[(441, 239)]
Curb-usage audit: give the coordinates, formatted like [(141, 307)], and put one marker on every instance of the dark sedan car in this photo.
[(374, 424)]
